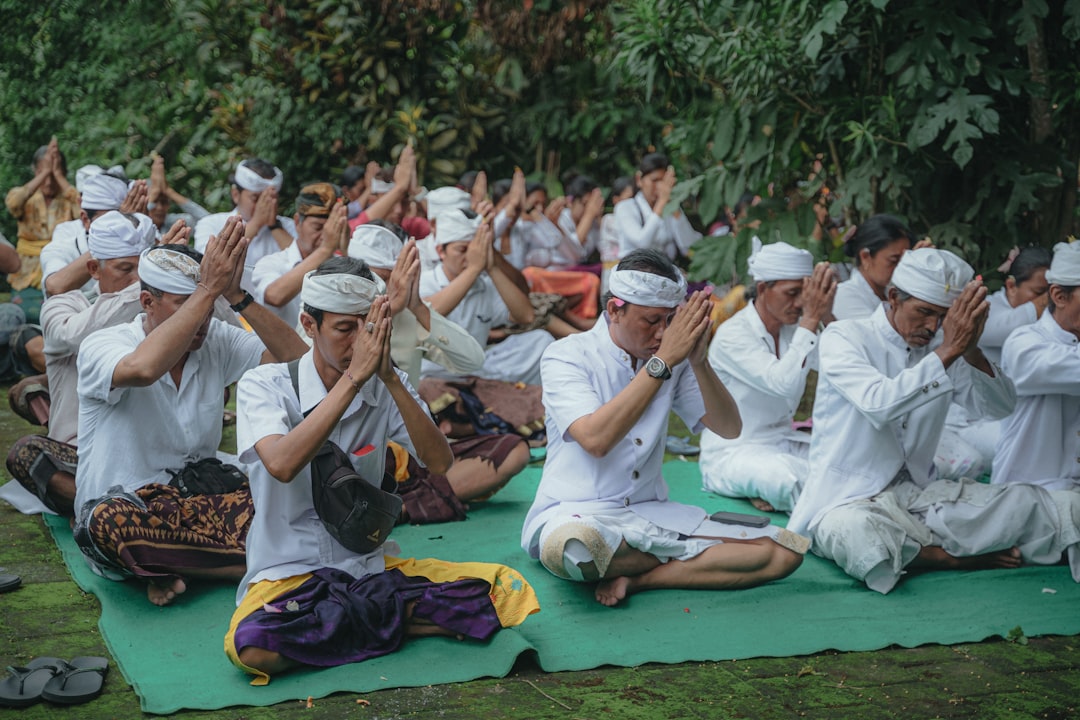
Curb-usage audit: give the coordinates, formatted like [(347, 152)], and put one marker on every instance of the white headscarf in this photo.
[(103, 192), (113, 235), (646, 288), (342, 293), (169, 271), (380, 187), (454, 226), (779, 261), (83, 173), (375, 245), (248, 179), (1065, 267), (442, 200), (932, 275)]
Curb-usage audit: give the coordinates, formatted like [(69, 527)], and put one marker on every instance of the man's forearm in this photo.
[(280, 340), (721, 410)]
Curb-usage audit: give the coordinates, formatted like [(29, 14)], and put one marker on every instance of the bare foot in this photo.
[(165, 592), (762, 505), (612, 592), (936, 558)]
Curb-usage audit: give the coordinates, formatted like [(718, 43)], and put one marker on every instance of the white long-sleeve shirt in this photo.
[(766, 388), (1040, 441), (855, 299), (881, 407), (639, 227), (1002, 321)]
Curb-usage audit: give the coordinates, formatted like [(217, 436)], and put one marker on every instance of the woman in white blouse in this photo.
[(876, 248)]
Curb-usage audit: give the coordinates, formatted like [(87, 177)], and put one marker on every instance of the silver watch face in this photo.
[(656, 367)]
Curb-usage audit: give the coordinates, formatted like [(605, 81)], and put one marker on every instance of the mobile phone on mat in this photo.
[(734, 518)]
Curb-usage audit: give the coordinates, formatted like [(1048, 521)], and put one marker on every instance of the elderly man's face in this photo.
[(638, 329), (1066, 308), (115, 274), (160, 309), (780, 300), (915, 320)]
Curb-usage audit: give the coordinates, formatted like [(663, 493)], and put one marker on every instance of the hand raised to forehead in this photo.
[(224, 252)]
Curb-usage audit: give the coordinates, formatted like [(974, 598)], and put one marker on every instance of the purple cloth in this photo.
[(335, 619)]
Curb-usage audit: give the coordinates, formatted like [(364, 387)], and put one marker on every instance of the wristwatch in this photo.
[(242, 305), (657, 368)]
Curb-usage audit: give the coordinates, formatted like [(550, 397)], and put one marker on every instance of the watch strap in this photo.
[(242, 305)]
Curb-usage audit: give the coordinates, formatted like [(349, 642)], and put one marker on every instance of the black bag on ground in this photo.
[(208, 476), (356, 513)]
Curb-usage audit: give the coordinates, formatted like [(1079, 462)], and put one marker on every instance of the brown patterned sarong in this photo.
[(34, 459), (174, 534), (519, 405)]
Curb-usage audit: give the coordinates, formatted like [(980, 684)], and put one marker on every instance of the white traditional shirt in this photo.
[(541, 244), (766, 388), (582, 247), (1003, 319), (134, 436), (855, 299), (581, 373), (67, 319), (446, 344), (639, 227), (68, 243), (270, 268), (1040, 441), (261, 245), (881, 407), (286, 537), (481, 309)]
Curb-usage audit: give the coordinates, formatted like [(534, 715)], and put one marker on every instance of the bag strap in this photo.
[(294, 375)]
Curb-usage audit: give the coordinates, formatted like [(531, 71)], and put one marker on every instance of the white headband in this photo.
[(380, 187), (375, 245), (85, 172), (103, 192), (113, 235), (779, 261), (342, 293), (455, 226), (444, 199), (248, 179), (1065, 267), (169, 271), (931, 275), (646, 288)]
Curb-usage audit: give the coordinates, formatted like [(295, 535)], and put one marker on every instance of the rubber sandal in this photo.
[(23, 685), (81, 680), (681, 446), (9, 583)]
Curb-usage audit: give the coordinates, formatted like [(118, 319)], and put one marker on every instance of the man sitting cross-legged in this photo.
[(150, 403), (872, 499), (602, 512), (763, 355), (306, 599)]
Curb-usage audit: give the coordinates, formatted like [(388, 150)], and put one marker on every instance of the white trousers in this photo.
[(774, 473)]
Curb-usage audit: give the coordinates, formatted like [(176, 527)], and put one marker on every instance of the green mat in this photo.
[(173, 656)]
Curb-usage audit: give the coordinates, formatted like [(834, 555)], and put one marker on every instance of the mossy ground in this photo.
[(1003, 680)]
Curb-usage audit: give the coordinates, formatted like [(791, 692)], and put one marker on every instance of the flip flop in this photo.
[(681, 446), (23, 685), (9, 583), (79, 681)]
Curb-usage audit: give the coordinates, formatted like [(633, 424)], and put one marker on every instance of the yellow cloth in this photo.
[(36, 221), (513, 597)]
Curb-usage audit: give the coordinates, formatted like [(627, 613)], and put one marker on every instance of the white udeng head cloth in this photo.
[(248, 179), (454, 226), (103, 192), (169, 271), (375, 245), (931, 275), (442, 200), (83, 173), (646, 288), (1065, 267), (113, 235), (341, 293), (779, 261)]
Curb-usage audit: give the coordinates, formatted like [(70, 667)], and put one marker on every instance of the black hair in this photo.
[(402, 235), (499, 189), (1027, 262), (618, 187), (875, 234), (648, 260), (352, 175), (467, 180), (40, 153), (338, 265), (653, 161), (175, 247), (532, 187), (580, 186), (385, 174)]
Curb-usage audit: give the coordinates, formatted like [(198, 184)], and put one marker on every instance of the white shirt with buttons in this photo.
[(881, 407), (1040, 441), (580, 374), (269, 269)]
